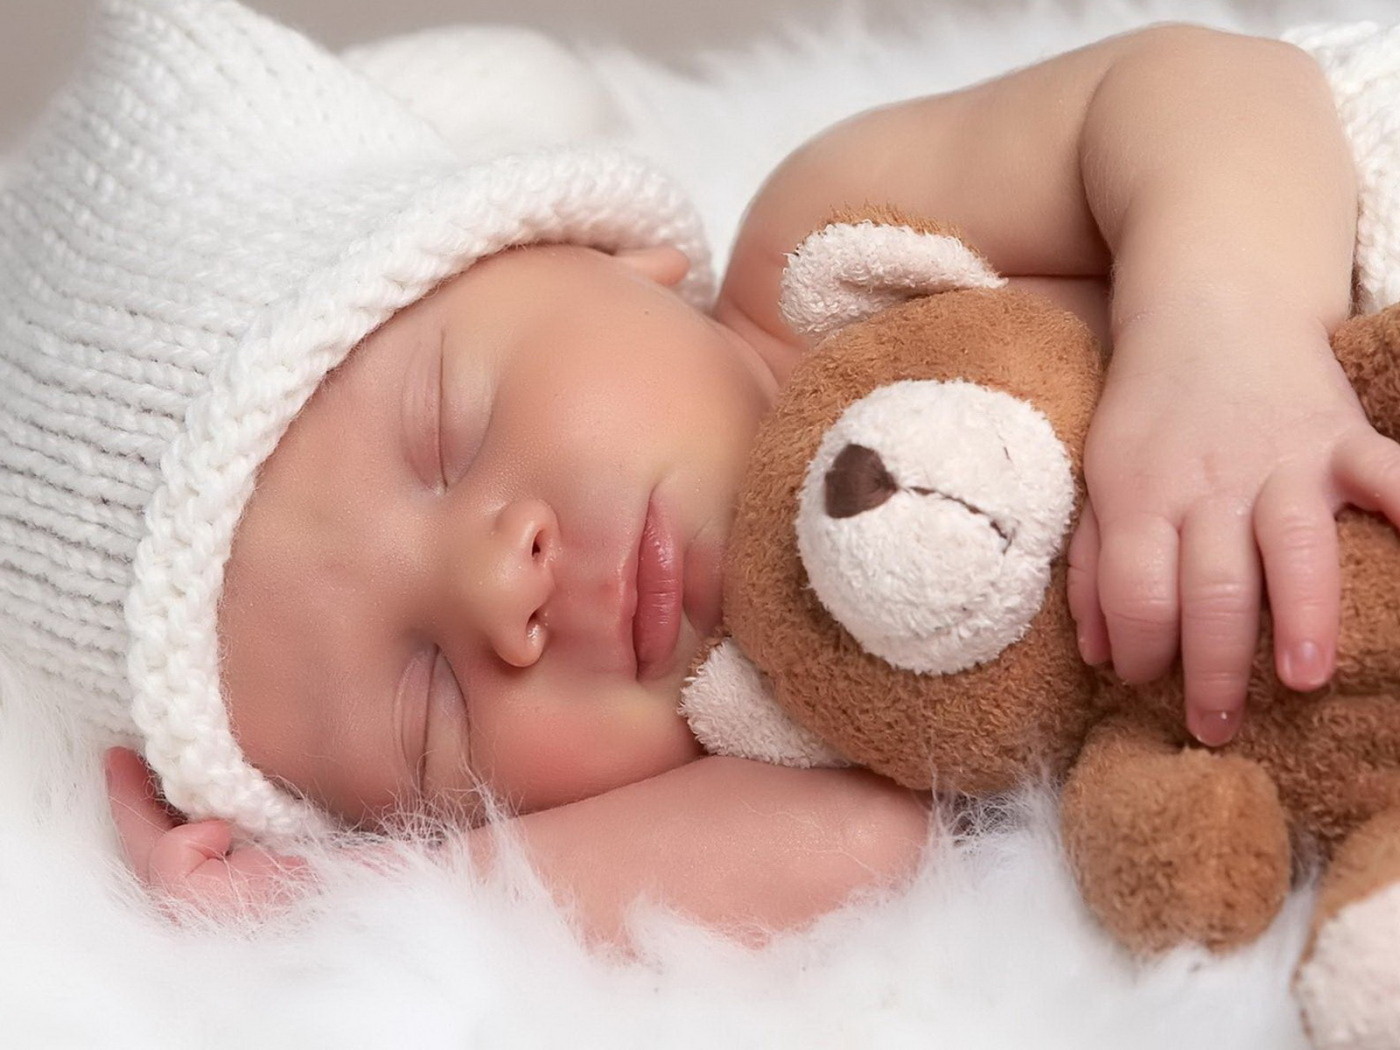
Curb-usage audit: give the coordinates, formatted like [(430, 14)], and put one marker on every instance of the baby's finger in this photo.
[(1367, 469), (1083, 589), (1137, 591), (1297, 537), (267, 876), (184, 851), (1220, 587), (140, 819)]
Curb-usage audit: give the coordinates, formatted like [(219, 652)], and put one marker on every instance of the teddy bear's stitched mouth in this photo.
[(996, 526), (963, 612), (858, 481)]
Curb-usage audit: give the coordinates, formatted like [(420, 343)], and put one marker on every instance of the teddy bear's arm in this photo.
[(731, 711), (1173, 845)]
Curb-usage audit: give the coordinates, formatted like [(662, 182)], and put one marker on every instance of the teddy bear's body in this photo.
[(948, 431)]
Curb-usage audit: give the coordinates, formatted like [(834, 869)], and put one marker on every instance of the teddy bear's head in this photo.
[(896, 572)]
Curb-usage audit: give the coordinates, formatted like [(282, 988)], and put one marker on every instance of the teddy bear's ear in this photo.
[(857, 265)]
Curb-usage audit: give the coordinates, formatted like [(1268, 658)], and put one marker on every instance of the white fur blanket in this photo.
[(989, 948)]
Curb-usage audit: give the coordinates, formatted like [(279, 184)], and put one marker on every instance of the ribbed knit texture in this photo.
[(209, 219)]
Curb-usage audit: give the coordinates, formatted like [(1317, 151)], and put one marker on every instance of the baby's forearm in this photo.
[(739, 845), (1218, 173)]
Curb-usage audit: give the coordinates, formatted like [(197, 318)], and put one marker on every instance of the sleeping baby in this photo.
[(351, 481)]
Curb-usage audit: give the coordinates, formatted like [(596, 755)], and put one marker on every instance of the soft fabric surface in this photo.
[(989, 948)]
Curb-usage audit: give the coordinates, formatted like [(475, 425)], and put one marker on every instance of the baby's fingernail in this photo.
[(1304, 666), (1091, 654), (1213, 728)]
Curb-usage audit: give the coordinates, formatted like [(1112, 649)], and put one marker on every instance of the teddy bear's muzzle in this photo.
[(929, 518)]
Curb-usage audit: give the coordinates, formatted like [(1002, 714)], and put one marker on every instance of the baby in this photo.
[(352, 480)]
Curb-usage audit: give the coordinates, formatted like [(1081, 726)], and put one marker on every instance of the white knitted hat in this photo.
[(210, 218)]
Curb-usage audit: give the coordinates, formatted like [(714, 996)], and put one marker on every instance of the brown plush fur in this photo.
[(1170, 842)]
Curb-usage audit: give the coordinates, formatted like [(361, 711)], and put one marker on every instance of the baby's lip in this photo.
[(678, 580), (657, 592)]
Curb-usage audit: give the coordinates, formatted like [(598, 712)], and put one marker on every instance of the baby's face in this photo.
[(489, 547)]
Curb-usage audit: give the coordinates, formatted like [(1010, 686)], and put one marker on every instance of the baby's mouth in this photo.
[(658, 588)]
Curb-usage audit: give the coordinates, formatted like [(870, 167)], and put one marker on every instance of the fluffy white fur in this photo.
[(990, 948)]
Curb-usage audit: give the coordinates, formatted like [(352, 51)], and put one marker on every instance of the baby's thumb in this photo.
[(184, 850)]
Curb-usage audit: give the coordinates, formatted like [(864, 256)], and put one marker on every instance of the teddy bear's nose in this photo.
[(857, 481)]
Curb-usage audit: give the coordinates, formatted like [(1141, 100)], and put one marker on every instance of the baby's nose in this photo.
[(517, 580)]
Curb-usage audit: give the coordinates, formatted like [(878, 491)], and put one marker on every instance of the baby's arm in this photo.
[(741, 846), (1209, 174)]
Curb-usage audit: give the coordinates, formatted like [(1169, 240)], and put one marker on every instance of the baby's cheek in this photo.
[(542, 757)]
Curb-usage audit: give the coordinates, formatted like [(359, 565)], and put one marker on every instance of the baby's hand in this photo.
[(191, 864), (1217, 460)]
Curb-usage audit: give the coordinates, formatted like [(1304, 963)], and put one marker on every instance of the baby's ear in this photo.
[(663, 264), (861, 262)]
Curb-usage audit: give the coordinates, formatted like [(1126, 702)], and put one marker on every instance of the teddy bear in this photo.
[(894, 596)]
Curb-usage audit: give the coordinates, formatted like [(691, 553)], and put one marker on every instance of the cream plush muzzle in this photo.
[(950, 566)]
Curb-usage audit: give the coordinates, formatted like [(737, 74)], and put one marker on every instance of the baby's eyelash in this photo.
[(421, 771), (442, 676)]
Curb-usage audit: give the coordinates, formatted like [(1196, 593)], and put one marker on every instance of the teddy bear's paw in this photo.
[(731, 711), (1173, 846), (929, 518), (1349, 987)]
